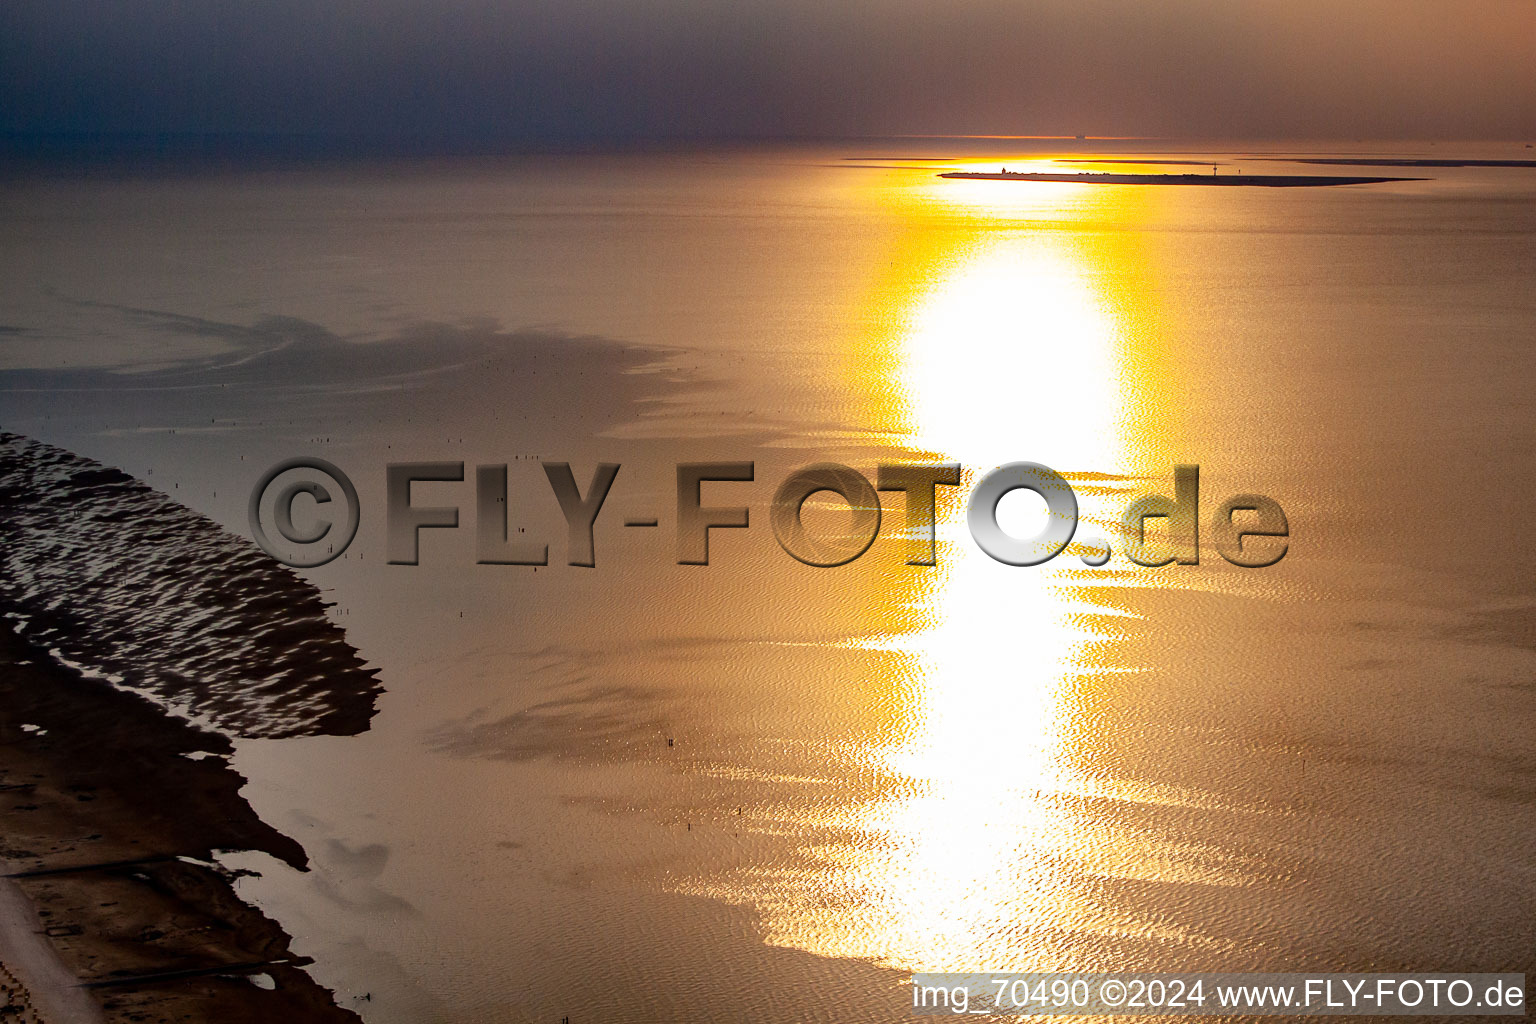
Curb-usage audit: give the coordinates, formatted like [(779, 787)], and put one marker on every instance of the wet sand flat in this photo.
[(878, 768), (110, 833)]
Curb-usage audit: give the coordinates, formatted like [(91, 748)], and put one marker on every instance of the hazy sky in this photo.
[(549, 69)]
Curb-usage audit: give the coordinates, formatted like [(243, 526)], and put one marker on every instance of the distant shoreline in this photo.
[(1249, 180), (1335, 161)]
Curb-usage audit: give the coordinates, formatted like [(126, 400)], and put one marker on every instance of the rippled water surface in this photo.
[(762, 791)]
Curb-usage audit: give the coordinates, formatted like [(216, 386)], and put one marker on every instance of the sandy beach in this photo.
[(113, 908), (35, 985)]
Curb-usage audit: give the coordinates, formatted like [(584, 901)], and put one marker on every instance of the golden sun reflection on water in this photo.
[(1038, 356), (1009, 334)]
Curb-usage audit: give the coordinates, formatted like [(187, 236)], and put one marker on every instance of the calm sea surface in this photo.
[(761, 791)]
